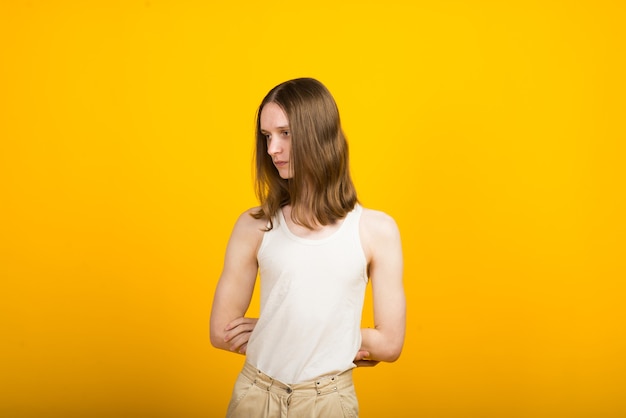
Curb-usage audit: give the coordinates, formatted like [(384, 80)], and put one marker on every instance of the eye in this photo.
[(285, 133)]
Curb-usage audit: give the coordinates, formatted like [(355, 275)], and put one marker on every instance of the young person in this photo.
[(315, 248)]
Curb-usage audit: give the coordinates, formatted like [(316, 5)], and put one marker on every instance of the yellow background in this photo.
[(492, 131)]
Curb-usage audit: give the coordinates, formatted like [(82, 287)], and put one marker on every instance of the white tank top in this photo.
[(312, 295)]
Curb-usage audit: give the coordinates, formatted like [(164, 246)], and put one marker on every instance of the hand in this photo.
[(361, 359), (238, 333)]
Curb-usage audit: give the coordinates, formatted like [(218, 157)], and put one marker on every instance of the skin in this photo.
[(380, 238), (275, 127)]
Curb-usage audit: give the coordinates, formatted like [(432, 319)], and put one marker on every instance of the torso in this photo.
[(369, 219), (312, 288), (320, 232)]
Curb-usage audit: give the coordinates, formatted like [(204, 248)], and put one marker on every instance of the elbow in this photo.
[(392, 353), (217, 340), (383, 346), (395, 355)]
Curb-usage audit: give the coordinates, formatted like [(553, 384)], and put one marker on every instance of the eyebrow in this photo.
[(278, 128)]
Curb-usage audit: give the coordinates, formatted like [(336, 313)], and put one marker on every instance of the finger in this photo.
[(233, 332), (240, 321), (234, 323), (240, 329), (239, 341)]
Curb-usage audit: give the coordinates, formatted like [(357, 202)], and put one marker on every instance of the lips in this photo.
[(280, 163)]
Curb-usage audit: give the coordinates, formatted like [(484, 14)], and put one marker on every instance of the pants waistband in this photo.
[(320, 386)]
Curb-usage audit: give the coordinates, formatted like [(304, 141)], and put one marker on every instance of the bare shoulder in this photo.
[(377, 224), (379, 233), (248, 229), (247, 220)]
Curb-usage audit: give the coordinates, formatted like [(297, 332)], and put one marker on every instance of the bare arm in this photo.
[(381, 241), (230, 329)]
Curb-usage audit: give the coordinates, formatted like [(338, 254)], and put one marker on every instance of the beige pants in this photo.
[(257, 395)]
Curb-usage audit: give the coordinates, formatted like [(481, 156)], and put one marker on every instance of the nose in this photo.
[(273, 147)]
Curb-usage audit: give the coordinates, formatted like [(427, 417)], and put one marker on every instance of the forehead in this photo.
[(273, 116)]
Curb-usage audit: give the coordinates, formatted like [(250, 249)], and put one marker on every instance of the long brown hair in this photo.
[(320, 191)]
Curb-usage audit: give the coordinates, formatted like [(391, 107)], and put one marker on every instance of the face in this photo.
[(275, 127)]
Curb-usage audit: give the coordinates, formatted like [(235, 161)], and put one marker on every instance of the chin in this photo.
[(285, 176)]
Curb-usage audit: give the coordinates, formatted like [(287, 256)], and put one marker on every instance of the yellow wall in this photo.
[(492, 131)]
